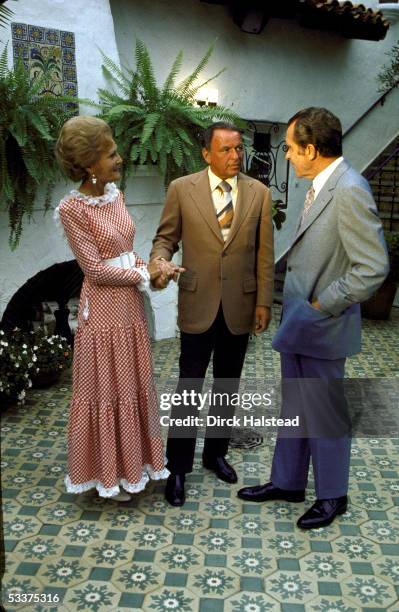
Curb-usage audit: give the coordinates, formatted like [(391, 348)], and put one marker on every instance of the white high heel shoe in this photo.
[(122, 496)]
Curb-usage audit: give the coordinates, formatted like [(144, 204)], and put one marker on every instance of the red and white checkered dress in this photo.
[(113, 434)]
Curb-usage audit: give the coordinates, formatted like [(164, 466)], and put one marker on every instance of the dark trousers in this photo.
[(195, 354), (313, 389)]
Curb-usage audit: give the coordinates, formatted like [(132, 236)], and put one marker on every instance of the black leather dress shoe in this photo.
[(222, 469), (323, 512), (174, 490), (269, 492)]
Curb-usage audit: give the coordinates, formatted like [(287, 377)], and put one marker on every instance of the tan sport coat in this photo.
[(238, 273)]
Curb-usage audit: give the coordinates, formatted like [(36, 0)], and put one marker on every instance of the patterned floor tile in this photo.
[(186, 522), (138, 577), (122, 517), (220, 508), (169, 598), (251, 524), (356, 548), (60, 513), (387, 568), (217, 541), (213, 582), (20, 527), (150, 537), (38, 496), (82, 532), (369, 500), (283, 545), (64, 572), (369, 591), (325, 566), (108, 554), (93, 595), (290, 587), (246, 601), (179, 558), (381, 531), (39, 548), (251, 562)]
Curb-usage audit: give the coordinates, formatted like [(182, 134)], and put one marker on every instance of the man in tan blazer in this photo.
[(223, 220)]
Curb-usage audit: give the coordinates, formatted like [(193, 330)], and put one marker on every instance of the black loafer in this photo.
[(222, 469), (268, 492), (323, 512), (174, 490)]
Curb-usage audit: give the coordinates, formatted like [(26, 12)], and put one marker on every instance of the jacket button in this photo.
[(289, 268)]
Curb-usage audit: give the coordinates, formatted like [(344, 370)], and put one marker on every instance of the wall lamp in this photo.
[(207, 96)]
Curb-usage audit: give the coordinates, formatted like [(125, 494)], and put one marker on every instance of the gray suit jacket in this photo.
[(339, 257)]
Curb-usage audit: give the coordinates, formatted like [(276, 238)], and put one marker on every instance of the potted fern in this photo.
[(158, 124), (29, 124)]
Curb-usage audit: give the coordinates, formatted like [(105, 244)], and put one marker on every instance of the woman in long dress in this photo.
[(113, 434)]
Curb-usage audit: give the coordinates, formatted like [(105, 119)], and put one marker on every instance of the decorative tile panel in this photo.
[(47, 50)]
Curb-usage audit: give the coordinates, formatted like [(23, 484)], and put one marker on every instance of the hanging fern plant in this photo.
[(158, 124), (29, 124)]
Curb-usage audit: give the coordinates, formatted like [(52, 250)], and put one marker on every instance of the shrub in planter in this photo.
[(16, 365), (52, 355)]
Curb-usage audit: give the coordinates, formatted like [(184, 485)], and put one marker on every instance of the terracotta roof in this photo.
[(350, 20)]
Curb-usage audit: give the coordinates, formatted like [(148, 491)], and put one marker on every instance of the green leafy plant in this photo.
[(26, 356), (158, 124), (16, 366), (29, 124), (389, 75)]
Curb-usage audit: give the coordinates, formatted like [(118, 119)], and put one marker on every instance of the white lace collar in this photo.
[(111, 192)]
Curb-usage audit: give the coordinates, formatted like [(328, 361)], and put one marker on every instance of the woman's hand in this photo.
[(162, 271)]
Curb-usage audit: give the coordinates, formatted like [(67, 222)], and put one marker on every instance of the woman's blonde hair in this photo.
[(80, 144)]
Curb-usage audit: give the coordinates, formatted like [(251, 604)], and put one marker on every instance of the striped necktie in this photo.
[(225, 212), (309, 199)]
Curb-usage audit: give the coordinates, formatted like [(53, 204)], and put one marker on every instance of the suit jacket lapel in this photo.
[(323, 198), (201, 195), (245, 197)]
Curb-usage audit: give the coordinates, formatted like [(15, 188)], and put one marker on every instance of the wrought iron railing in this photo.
[(384, 181)]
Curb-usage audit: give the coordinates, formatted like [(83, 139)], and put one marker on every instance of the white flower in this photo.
[(16, 364), (21, 395), (24, 346), (34, 358), (24, 352), (35, 347)]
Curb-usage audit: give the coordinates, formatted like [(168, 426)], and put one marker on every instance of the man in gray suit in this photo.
[(337, 259)]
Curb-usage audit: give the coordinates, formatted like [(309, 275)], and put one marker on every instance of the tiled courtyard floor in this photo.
[(216, 553)]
